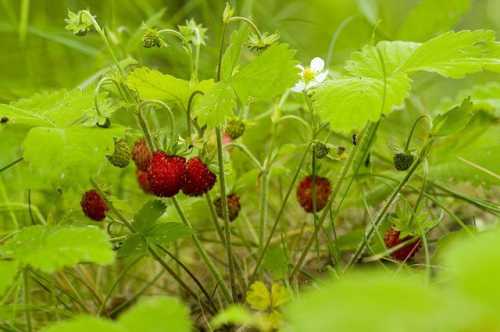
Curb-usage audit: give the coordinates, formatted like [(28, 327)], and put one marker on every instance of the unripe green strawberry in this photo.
[(151, 39), (121, 156), (235, 128), (233, 206), (403, 161), (321, 150)]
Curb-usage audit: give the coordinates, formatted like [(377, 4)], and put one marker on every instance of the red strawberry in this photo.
[(233, 206), (142, 179), (166, 174), (391, 239), (199, 179), (305, 191), (93, 205), (141, 155)]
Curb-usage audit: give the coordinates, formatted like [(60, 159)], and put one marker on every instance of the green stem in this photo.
[(315, 214), (264, 183), (27, 300), (171, 118), (360, 250), (249, 22), (280, 213), (12, 163), (225, 212), (412, 131), (211, 266), (188, 114), (249, 154), (214, 218), (221, 51)]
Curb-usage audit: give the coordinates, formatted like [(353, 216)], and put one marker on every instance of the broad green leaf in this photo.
[(60, 109), (388, 303), (268, 75), (8, 271), (50, 248), (69, 156), (165, 233), (85, 324), (430, 17), (216, 105), (232, 54), (276, 262), (453, 54), (162, 314), (152, 84), (454, 120), (485, 97), (469, 266), (349, 103), (134, 245), (148, 215)]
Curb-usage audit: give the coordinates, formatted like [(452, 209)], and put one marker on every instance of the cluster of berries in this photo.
[(165, 175)]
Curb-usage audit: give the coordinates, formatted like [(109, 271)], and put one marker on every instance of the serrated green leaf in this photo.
[(216, 105), (8, 271), (148, 315), (152, 84), (454, 120), (50, 248), (485, 97), (232, 54), (59, 108), (134, 245), (268, 75), (69, 156), (258, 296), (453, 54), (430, 17), (165, 233), (349, 103), (85, 324), (148, 215)]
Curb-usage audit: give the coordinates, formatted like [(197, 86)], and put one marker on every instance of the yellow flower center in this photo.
[(308, 74)]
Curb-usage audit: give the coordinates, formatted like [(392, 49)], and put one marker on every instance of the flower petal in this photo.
[(321, 76), (299, 87), (317, 64)]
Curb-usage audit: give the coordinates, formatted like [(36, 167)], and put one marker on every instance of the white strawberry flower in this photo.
[(311, 76)]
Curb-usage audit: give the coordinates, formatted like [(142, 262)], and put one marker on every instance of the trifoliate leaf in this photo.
[(428, 19), (453, 54), (148, 215), (454, 120), (85, 324), (8, 271), (216, 105), (161, 314), (52, 248), (268, 75), (258, 296), (279, 295)]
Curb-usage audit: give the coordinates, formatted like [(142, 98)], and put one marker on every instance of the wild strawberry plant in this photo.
[(261, 194)]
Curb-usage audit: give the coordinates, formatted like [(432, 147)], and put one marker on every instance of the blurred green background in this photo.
[(38, 54)]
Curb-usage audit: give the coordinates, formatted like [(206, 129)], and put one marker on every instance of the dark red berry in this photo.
[(305, 193), (199, 179), (141, 154), (403, 161), (391, 239), (142, 179), (233, 206), (93, 205), (166, 174)]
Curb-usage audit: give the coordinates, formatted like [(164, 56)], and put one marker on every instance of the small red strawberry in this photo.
[(233, 206), (199, 179), (305, 192), (141, 154), (391, 239), (142, 179), (166, 174), (93, 205)]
